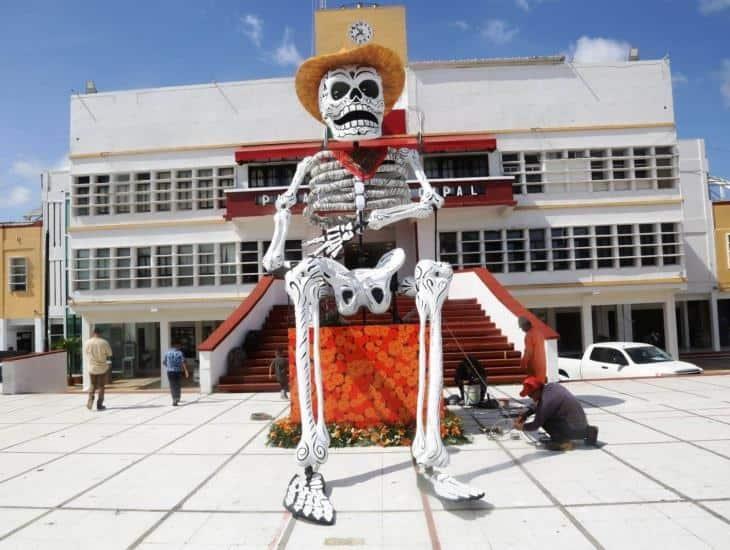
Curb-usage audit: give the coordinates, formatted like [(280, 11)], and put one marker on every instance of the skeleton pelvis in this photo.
[(363, 287)]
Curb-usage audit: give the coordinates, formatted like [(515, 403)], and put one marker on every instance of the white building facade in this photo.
[(566, 181)]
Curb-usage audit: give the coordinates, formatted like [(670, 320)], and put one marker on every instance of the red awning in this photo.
[(430, 144)]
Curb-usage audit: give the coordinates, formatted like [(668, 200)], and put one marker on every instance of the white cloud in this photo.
[(461, 25), (527, 5), (713, 6), (17, 195), (287, 53), (498, 31), (679, 78), (64, 163), (599, 50), (30, 170), (725, 77), (253, 28)]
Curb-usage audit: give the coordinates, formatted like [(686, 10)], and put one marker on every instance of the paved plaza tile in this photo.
[(144, 474)]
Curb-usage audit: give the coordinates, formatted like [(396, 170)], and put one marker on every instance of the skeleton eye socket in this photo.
[(339, 90), (369, 88)]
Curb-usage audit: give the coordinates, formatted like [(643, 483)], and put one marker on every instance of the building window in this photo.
[(18, 274), (151, 191), (56, 335), (163, 266), (184, 265), (456, 166), (144, 267), (102, 268), (626, 255), (538, 250), (227, 255), (593, 170), (582, 247), (167, 266), (564, 248), (206, 264), (515, 250), (670, 244), (470, 249), (648, 252), (123, 265), (493, 251), (271, 175), (82, 270), (560, 244)]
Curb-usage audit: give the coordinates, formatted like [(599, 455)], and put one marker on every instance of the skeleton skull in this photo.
[(351, 102)]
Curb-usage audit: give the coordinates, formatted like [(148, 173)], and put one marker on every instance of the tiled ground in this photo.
[(146, 475)]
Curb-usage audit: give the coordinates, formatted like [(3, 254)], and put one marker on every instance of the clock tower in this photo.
[(339, 28)]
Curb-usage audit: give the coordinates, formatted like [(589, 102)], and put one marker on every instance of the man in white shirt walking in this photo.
[(97, 352)]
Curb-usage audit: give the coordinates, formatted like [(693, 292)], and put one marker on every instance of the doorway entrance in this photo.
[(366, 255)]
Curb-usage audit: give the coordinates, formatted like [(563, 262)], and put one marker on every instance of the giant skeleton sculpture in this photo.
[(351, 92)]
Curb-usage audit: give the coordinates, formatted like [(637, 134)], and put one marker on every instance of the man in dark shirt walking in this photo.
[(174, 362), (558, 412)]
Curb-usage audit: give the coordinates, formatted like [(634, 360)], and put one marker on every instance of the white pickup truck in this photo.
[(622, 359)]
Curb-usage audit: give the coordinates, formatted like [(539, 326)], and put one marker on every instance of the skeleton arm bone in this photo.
[(430, 199), (274, 257)]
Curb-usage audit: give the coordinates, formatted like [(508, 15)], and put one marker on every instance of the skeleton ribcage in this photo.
[(333, 190)]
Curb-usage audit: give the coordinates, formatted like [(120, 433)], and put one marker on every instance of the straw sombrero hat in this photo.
[(385, 60)]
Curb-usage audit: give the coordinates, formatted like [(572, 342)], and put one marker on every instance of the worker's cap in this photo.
[(531, 384)]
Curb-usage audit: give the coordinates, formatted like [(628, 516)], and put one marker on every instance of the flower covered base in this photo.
[(285, 433), (370, 374)]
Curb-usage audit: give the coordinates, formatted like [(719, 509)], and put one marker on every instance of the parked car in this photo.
[(622, 359)]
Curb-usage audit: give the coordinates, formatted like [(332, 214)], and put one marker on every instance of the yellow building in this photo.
[(21, 308), (721, 221)]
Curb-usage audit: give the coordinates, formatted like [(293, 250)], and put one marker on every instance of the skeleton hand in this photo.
[(285, 201), (333, 241), (433, 199)]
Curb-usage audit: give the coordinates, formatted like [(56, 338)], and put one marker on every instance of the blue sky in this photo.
[(50, 48)]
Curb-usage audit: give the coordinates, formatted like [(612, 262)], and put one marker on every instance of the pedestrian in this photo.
[(533, 356), (175, 365), (280, 365), (556, 411), (97, 352)]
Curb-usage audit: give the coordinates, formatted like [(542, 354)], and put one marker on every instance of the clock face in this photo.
[(360, 32)]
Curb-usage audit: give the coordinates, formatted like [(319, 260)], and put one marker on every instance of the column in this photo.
[(86, 327), (625, 321), (550, 318), (164, 346), (684, 311), (714, 321), (670, 327), (3, 334), (38, 335), (586, 317)]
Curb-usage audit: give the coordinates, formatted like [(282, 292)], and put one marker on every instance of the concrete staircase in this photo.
[(466, 330)]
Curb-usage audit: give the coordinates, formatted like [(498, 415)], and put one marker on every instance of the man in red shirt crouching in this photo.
[(556, 411)]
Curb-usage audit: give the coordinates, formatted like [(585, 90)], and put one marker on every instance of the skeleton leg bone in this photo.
[(305, 497), (432, 287)]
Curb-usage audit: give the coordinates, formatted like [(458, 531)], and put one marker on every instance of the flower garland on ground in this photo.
[(285, 433)]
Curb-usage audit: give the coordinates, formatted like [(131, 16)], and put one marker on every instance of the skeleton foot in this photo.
[(447, 488), (305, 498)]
